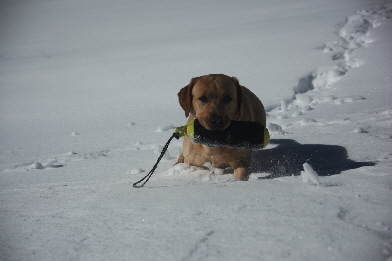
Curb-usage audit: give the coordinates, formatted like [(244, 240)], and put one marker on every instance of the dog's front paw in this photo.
[(242, 174)]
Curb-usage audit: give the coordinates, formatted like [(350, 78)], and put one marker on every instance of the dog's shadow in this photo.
[(288, 157)]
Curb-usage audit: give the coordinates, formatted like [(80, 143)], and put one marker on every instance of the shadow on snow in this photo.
[(288, 158)]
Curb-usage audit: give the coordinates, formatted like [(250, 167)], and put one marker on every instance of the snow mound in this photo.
[(309, 175)]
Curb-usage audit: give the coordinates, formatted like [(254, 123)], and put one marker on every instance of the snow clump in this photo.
[(309, 175)]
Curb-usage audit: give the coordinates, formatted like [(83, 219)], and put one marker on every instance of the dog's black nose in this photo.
[(216, 122)]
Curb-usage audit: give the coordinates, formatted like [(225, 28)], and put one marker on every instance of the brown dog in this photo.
[(215, 100)]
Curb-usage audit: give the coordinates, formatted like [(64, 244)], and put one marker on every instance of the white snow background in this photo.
[(88, 96)]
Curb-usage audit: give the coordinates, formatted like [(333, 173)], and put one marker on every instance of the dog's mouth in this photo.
[(215, 123)]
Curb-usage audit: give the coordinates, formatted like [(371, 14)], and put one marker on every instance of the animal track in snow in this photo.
[(353, 34), (165, 128), (57, 161)]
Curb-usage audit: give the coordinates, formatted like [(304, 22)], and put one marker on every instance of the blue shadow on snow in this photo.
[(288, 158)]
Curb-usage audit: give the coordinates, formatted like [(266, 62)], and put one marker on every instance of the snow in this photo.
[(309, 175), (89, 98)]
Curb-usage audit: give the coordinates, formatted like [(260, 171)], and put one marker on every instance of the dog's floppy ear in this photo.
[(185, 97), (239, 94)]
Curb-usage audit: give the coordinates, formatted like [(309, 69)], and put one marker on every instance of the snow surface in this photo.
[(89, 97)]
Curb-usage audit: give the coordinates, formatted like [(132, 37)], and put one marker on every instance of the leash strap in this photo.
[(148, 176)]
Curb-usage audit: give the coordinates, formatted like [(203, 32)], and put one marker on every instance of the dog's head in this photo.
[(215, 100)]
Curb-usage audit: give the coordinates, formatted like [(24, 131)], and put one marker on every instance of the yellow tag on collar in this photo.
[(186, 130)]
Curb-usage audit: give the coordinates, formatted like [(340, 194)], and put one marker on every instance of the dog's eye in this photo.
[(227, 99), (203, 98)]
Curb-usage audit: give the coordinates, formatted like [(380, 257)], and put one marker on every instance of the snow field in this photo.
[(89, 98)]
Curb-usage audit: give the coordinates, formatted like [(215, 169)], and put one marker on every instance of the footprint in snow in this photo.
[(75, 133), (359, 130), (349, 99), (165, 128), (354, 34), (136, 171), (57, 161), (45, 165)]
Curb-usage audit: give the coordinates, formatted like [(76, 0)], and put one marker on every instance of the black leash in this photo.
[(148, 176)]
